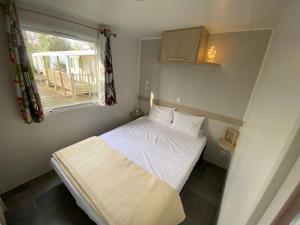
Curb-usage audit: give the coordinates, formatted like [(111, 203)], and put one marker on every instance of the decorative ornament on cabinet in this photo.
[(211, 54)]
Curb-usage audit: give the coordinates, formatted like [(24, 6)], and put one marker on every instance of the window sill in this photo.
[(60, 109)]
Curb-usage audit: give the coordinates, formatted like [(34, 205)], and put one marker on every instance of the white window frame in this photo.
[(75, 106)]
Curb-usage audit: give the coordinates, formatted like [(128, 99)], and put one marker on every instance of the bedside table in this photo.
[(226, 146), (135, 115)]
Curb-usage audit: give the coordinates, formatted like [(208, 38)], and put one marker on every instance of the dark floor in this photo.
[(46, 201)]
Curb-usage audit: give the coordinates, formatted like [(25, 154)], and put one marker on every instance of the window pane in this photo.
[(64, 69)]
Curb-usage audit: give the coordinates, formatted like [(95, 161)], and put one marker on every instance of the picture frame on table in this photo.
[(230, 136)]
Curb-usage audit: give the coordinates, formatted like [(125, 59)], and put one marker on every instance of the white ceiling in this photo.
[(148, 18)]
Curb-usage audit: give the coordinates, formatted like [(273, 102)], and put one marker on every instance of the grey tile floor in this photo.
[(46, 201)]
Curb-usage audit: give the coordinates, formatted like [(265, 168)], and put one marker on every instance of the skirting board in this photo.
[(194, 111)]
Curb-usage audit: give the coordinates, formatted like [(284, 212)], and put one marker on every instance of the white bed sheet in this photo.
[(80, 201), (164, 152), (158, 149)]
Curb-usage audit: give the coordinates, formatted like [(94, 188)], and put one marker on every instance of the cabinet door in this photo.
[(181, 45), (170, 41)]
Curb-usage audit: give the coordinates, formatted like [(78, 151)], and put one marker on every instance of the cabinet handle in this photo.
[(176, 59)]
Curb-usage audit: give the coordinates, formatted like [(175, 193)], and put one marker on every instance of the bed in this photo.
[(166, 153)]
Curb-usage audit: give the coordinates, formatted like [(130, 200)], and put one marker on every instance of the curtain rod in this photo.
[(66, 20)]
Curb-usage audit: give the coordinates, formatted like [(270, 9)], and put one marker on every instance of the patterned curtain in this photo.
[(26, 89), (110, 93)]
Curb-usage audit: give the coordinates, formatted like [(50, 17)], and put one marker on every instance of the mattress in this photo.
[(166, 153)]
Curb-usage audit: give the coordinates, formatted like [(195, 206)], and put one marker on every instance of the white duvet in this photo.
[(160, 150)]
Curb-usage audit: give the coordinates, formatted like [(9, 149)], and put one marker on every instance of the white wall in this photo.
[(224, 89), (289, 154), (269, 119), (289, 185), (26, 149)]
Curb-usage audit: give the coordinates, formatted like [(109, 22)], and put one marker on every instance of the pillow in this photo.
[(161, 114), (186, 123)]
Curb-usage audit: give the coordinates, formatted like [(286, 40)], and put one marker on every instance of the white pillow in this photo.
[(186, 123), (161, 114)]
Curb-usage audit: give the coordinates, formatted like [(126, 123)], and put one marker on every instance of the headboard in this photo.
[(194, 111)]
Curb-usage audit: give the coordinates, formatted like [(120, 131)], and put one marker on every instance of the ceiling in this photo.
[(148, 18)]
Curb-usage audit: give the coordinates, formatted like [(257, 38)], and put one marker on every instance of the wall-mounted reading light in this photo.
[(151, 99)]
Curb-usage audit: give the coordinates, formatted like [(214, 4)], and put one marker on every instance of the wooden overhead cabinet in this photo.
[(184, 45)]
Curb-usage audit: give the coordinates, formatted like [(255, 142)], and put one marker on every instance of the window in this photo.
[(64, 69)]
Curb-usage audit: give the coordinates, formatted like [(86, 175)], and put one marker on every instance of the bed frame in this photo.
[(201, 159)]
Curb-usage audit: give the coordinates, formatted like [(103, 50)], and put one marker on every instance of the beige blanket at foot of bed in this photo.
[(121, 192)]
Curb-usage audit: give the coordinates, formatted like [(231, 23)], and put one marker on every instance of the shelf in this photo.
[(188, 63), (226, 146)]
